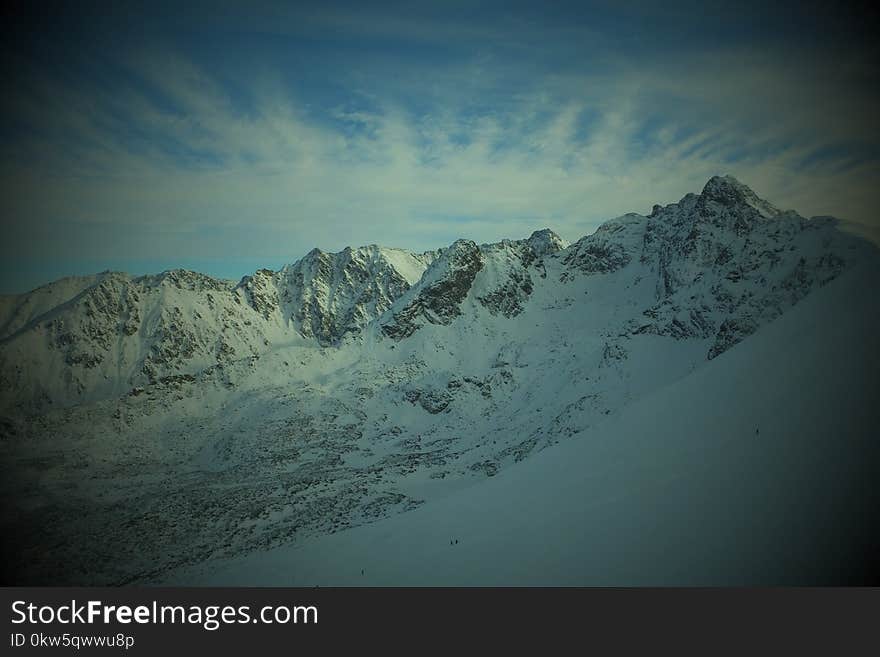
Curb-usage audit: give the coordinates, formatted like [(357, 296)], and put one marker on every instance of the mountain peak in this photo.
[(545, 241), (719, 183), (727, 190)]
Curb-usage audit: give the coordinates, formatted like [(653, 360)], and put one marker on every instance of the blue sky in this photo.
[(225, 137)]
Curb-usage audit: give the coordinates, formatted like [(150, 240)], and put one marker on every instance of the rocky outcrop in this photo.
[(545, 242), (609, 249), (438, 297), (124, 331), (512, 265), (326, 296)]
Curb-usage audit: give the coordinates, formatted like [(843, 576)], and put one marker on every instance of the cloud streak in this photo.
[(179, 158)]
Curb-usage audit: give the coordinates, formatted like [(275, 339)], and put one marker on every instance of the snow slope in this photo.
[(757, 469)]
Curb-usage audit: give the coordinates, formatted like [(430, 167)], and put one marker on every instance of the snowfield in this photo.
[(683, 397), (757, 469)]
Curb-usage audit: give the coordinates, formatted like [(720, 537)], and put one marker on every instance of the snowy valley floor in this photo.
[(758, 468)]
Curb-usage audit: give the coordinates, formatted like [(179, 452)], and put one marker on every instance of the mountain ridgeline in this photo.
[(153, 424), (720, 264)]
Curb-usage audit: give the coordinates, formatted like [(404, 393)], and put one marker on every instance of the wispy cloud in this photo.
[(179, 158)]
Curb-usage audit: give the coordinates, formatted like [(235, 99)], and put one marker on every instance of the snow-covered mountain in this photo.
[(211, 419), (85, 339), (759, 469)]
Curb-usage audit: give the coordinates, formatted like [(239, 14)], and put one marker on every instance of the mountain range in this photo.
[(175, 427)]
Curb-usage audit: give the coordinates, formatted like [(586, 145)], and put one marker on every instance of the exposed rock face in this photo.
[(605, 251), (508, 298), (122, 331), (513, 263), (329, 295), (261, 292), (432, 401), (545, 242), (728, 192), (723, 262), (735, 262), (438, 298)]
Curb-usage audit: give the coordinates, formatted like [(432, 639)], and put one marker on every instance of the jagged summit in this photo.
[(545, 241), (724, 184), (729, 191)]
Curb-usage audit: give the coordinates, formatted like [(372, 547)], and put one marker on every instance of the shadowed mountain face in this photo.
[(210, 419)]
